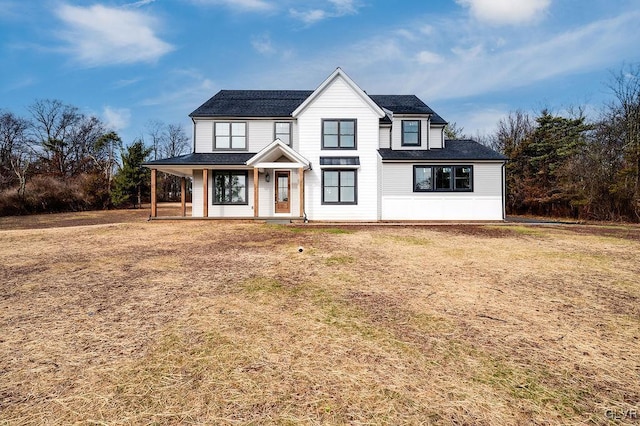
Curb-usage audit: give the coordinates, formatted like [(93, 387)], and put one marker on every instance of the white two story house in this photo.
[(333, 154)]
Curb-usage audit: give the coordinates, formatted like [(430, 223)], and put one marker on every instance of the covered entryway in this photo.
[(281, 192)]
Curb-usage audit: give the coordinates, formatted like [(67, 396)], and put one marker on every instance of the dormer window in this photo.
[(410, 132), (338, 134)]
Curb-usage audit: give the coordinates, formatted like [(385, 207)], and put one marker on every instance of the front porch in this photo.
[(269, 185)]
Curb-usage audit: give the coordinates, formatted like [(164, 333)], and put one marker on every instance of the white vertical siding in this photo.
[(338, 100), (232, 210), (399, 202), (204, 135)]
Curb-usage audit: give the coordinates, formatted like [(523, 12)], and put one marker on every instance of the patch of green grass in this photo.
[(519, 229), (409, 239), (262, 284), (317, 229), (339, 259)]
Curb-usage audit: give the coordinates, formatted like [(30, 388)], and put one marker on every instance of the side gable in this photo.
[(339, 74)]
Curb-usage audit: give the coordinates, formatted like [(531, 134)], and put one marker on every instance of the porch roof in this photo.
[(203, 159)]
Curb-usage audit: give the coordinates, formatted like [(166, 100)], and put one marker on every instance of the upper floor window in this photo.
[(442, 178), (230, 135), (338, 134), (283, 132), (411, 132)]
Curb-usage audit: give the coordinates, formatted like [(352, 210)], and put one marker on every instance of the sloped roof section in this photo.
[(453, 150), (252, 103), (203, 159), (406, 104)]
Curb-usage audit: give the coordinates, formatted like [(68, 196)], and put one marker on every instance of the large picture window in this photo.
[(339, 187), (230, 187), (283, 132), (230, 135), (411, 132), (338, 134), (442, 178)]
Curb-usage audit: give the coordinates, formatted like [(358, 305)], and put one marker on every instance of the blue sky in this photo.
[(473, 61)]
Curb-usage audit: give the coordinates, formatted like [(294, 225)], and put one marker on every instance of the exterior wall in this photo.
[(385, 137), (338, 100), (260, 133), (436, 137), (396, 133), (204, 135), (399, 202)]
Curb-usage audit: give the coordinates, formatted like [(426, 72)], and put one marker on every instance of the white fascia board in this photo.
[(338, 73), (283, 149)]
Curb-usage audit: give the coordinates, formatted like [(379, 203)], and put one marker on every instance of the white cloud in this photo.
[(335, 9), (116, 118), (506, 12), (239, 5), (427, 57), (309, 17), (99, 35), (263, 44)]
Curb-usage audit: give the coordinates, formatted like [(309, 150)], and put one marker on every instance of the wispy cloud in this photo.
[(263, 44), (140, 3), (506, 12), (332, 9), (116, 118), (99, 35), (239, 5)]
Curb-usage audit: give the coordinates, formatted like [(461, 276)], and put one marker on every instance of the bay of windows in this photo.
[(442, 178)]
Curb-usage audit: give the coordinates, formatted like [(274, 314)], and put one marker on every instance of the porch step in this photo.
[(278, 221)]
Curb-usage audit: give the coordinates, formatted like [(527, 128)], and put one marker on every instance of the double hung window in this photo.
[(339, 187), (338, 134)]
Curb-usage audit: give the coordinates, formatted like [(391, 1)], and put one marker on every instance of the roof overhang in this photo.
[(338, 73), (269, 156)]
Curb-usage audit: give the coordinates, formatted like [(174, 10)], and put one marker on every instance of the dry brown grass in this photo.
[(134, 322)]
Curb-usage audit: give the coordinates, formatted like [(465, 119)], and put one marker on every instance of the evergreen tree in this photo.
[(131, 181)]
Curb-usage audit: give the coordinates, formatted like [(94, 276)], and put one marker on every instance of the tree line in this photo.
[(57, 158), (569, 165)]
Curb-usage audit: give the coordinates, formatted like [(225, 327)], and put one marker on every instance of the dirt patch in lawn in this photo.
[(209, 322)]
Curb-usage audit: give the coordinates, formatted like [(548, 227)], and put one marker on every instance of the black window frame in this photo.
[(290, 134), (230, 173), (339, 134), (355, 187), (230, 124), (419, 133), (453, 187)]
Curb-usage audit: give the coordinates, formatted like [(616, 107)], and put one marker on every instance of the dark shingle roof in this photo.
[(227, 159), (282, 103), (453, 150), (406, 104), (252, 103)]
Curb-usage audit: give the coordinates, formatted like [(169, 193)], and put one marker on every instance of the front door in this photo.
[(283, 189)]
